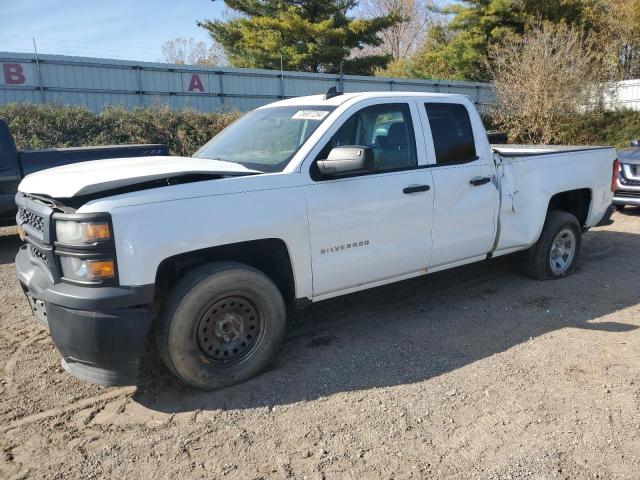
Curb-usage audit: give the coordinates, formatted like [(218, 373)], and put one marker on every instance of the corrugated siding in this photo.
[(96, 83), (628, 94)]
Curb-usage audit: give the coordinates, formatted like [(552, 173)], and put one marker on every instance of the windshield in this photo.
[(265, 139)]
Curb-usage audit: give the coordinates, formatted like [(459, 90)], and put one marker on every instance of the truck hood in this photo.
[(87, 178), (630, 156)]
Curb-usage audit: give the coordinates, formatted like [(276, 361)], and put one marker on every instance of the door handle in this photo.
[(416, 189), (476, 182)]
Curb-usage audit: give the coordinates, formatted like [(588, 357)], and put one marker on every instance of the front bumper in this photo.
[(627, 187), (626, 198), (100, 331)]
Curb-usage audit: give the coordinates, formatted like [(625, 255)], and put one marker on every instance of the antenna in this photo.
[(332, 92)]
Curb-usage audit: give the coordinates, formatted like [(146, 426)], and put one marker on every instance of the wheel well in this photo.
[(576, 202), (270, 256)]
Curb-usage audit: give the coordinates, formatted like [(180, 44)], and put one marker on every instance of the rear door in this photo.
[(466, 197), (375, 226)]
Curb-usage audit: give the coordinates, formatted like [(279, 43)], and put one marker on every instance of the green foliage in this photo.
[(309, 35), (184, 131), (459, 49), (51, 126), (614, 128), (605, 128)]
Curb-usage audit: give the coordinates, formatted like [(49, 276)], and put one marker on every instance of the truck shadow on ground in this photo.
[(421, 328)]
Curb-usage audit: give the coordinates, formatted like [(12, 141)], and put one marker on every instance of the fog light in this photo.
[(75, 268)]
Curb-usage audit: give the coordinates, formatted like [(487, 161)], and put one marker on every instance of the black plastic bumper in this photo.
[(100, 332)]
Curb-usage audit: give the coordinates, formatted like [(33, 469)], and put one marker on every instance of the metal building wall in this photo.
[(628, 95), (96, 83)]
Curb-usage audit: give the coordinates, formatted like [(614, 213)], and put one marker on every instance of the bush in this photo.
[(605, 128), (51, 126), (546, 78), (615, 128), (184, 131)]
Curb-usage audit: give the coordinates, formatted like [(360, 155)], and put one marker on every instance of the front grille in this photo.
[(635, 170), (36, 217), (34, 220), (621, 193), (633, 183), (39, 254)]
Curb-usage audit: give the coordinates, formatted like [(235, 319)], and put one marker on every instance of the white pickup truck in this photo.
[(298, 201)]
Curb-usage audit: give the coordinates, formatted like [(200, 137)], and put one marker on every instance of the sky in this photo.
[(123, 29)]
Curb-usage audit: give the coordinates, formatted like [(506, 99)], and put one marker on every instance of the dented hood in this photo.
[(99, 175)]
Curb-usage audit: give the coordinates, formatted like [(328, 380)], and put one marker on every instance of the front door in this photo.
[(375, 226)]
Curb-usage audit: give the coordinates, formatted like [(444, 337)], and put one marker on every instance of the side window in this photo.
[(386, 128), (452, 133)]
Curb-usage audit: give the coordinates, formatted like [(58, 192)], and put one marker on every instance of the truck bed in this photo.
[(534, 150), (531, 175)]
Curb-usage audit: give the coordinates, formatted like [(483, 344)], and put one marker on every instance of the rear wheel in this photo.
[(222, 324), (555, 253)]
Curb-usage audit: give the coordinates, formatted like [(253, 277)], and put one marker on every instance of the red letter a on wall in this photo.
[(195, 83)]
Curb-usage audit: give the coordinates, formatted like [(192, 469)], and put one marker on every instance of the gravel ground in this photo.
[(472, 373)]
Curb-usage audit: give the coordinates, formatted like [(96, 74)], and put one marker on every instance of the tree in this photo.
[(460, 49), (401, 39), (546, 77), (186, 51), (628, 17), (306, 35)]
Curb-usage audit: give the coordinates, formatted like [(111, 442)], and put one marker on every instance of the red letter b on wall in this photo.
[(13, 74)]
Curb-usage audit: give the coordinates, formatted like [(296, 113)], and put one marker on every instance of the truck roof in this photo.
[(340, 99)]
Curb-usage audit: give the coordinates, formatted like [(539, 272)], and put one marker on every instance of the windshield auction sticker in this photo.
[(310, 114)]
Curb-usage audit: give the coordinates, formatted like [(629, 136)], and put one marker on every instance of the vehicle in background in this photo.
[(16, 164), (628, 185), (298, 201)]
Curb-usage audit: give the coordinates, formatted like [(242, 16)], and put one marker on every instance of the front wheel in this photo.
[(223, 323), (555, 253)]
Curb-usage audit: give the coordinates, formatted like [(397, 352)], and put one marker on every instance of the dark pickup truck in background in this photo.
[(628, 187), (16, 164)]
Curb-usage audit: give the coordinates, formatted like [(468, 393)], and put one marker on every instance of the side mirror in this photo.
[(635, 143), (343, 160)]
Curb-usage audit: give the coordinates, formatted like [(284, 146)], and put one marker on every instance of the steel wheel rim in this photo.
[(563, 250), (230, 330)]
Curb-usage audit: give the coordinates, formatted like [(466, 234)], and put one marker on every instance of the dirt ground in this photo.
[(472, 373)]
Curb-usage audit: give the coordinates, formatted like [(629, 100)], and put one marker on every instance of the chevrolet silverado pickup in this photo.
[(298, 201), (16, 164)]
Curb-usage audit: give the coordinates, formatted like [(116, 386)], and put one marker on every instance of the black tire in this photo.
[(538, 258), (216, 297), (620, 208)]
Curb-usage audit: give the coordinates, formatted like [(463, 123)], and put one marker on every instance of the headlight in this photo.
[(80, 233), (84, 269)]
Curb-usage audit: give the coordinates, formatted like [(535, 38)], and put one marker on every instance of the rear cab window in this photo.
[(452, 133)]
